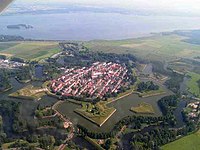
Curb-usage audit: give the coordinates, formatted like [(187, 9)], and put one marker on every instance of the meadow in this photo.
[(190, 142), (192, 84), (34, 51), (156, 47)]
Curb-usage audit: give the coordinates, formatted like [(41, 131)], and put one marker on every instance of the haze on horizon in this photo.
[(161, 6)]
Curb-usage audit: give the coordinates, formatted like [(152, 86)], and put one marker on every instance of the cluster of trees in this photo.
[(3, 57), (4, 80), (174, 82), (47, 142), (22, 144), (167, 105), (86, 57), (147, 86), (24, 73), (40, 113), (2, 134), (53, 122), (16, 59), (44, 141), (153, 138), (12, 110), (156, 137), (7, 38), (17, 126), (159, 67), (51, 69), (137, 120), (198, 82)]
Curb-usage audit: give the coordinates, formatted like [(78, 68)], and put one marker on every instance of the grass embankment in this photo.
[(98, 113), (190, 142), (34, 51), (29, 92), (151, 93), (192, 84), (94, 143), (143, 108)]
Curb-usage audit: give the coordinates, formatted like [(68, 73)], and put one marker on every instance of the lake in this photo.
[(89, 26)]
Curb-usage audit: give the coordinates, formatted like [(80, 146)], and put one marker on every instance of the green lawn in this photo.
[(192, 83), (157, 47), (30, 50), (190, 142)]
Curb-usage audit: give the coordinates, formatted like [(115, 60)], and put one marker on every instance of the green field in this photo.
[(143, 108), (157, 47), (29, 50), (190, 142), (192, 84)]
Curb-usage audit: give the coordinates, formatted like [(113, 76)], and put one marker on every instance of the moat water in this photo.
[(123, 107)]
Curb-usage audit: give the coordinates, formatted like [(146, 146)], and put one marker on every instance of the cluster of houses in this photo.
[(195, 109), (10, 64), (95, 81)]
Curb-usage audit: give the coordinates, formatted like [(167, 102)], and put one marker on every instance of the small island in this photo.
[(20, 26), (143, 108)]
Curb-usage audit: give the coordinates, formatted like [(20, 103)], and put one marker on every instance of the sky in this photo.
[(191, 6), (161, 4)]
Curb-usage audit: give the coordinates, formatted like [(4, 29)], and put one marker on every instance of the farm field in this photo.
[(156, 47), (190, 142), (192, 84), (143, 108), (29, 50)]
